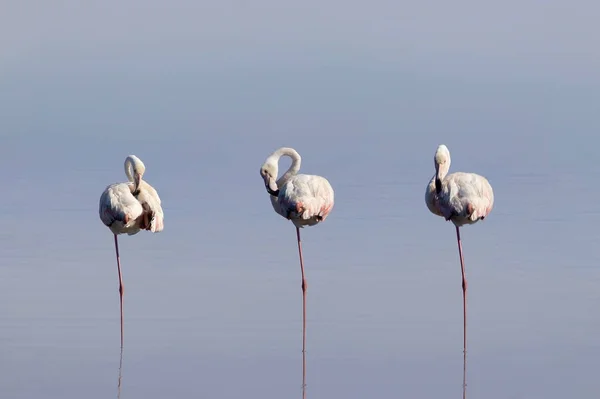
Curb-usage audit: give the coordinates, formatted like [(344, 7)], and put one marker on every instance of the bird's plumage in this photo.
[(150, 200), (463, 198), (120, 210), (127, 209), (306, 200)]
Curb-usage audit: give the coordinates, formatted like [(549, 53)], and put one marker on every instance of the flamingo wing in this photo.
[(119, 209), (150, 200), (467, 195), (306, 197)]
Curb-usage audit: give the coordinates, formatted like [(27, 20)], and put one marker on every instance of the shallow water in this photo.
[(213, 303)]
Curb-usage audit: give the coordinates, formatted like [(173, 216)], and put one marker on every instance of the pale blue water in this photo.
[(213, 303)]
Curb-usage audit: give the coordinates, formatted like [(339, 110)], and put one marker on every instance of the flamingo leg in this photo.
[(120, 285), (304, 286), (464, 288)]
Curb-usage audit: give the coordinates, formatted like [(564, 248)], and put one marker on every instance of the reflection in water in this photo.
[(465, 373), (120, 367), (303, 374)]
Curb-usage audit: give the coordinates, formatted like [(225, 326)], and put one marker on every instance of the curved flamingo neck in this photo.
[(294, 167), (129, 169), (133, 166)]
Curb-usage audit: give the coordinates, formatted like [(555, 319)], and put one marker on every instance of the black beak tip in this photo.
[(438, 186), (271, 192)]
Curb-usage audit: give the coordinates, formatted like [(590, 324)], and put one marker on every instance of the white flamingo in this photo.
[(128, 208), (306, 200), (463, 198)]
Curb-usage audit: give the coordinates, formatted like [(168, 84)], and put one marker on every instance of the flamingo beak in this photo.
[(438, 181), (271, 185)]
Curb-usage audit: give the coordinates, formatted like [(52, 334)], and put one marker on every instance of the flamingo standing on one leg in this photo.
[(306, 200), (130, 207), (463, 198)]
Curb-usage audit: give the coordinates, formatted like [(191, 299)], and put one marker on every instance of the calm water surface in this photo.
[(213, 304)]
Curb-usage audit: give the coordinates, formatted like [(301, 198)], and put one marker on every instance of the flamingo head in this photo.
[(442, 165), (269, 174)]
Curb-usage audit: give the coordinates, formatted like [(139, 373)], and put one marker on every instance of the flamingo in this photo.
[(128, 208), (462, 198), (306, 200)]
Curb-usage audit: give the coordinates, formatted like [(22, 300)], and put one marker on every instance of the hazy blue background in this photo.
[(365, 91)]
